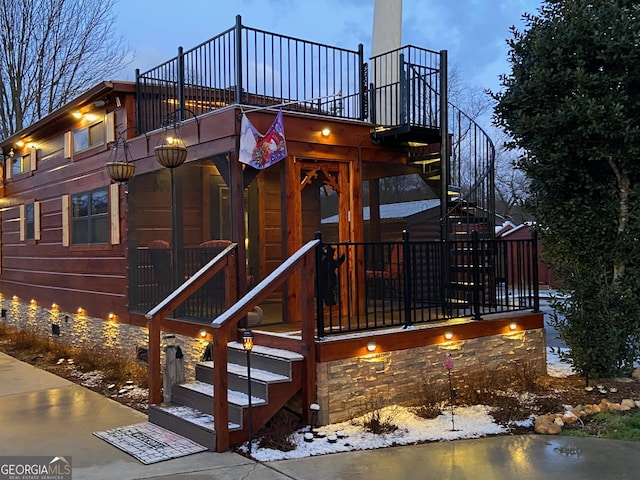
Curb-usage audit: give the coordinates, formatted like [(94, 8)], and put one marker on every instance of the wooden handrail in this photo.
[(156, 315), (263, 289), (223, 330), (193, 283)]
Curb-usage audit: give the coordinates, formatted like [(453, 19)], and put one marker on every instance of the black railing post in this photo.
[(406, 268), (181, 92), (475, 249), (404, 92), (362, 84), (536, 285), (139, 126), (238, 94), (319, 282)]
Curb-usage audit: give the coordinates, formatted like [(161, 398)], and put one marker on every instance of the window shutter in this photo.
[(34, 158), (67, 145), (36, 220), (65, 220), (110, 127), (23, 220), (114, 213)]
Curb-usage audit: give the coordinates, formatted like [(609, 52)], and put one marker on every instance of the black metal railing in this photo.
[(151, 277), (253, 67), (404, 87), (367, 286)]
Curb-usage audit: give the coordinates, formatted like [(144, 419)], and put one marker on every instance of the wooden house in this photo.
[(133, 201)]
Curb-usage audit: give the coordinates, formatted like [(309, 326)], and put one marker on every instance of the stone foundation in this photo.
[(346, 386), (78, 330)]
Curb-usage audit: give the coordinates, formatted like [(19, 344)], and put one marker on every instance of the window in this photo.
[(30, 221), (88, 137), (20, 164), (90, 217)]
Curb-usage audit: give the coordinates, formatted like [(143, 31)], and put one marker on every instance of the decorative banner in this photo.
[(261, 151)]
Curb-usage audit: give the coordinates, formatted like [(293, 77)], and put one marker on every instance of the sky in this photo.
[(474, 32)]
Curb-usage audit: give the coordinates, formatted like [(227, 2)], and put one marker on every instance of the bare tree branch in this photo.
[(50, 52)]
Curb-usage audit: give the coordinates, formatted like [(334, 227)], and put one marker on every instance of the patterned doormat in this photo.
[(149, 443)]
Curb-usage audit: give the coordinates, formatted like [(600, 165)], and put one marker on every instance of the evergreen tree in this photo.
[(572, 104)]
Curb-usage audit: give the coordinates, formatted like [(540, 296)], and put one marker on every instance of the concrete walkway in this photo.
[(42, 414)]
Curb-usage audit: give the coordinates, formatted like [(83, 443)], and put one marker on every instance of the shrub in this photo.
[(277, 434)]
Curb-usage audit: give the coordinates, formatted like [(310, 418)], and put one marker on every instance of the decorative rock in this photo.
[(636, 374), (558, 421), (637, 402), (591, 409), (545, 425), (627, 404), (614, 407), (604, 405), (569, 418)]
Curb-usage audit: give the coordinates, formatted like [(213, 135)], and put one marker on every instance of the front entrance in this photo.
[(321, 196)]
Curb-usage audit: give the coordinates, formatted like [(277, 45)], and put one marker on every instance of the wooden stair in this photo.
[(275, 379)]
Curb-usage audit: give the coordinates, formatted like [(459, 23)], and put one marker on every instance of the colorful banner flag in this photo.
[(262, 151)]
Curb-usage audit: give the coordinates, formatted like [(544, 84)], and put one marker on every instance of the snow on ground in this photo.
[(467, 422)]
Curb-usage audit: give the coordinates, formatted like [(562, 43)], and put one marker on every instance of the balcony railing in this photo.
[(253, 67)]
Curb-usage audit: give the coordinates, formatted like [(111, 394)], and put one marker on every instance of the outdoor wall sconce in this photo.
[(14, 298), (54, 307), (326, 131), (33, 302), (371, 346), (80, 311), (111, 316), (448, 335), (203, 333), (119, 166), (513, 326)]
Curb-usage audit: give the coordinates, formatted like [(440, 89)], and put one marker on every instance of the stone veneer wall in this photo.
[(81, 330), (346, 386)]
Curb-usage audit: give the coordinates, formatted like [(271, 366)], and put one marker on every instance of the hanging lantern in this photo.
[(119, 166)]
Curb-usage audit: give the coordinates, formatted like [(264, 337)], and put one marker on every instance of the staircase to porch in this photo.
[(275, 379)]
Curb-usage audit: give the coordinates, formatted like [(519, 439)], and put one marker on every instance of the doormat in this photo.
[(150, 443)]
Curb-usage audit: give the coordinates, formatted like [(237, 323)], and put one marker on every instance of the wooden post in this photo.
[(220, 387), (155, 370), (309, 386)]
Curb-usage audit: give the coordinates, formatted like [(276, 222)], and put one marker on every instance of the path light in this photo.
[(247, 344)]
